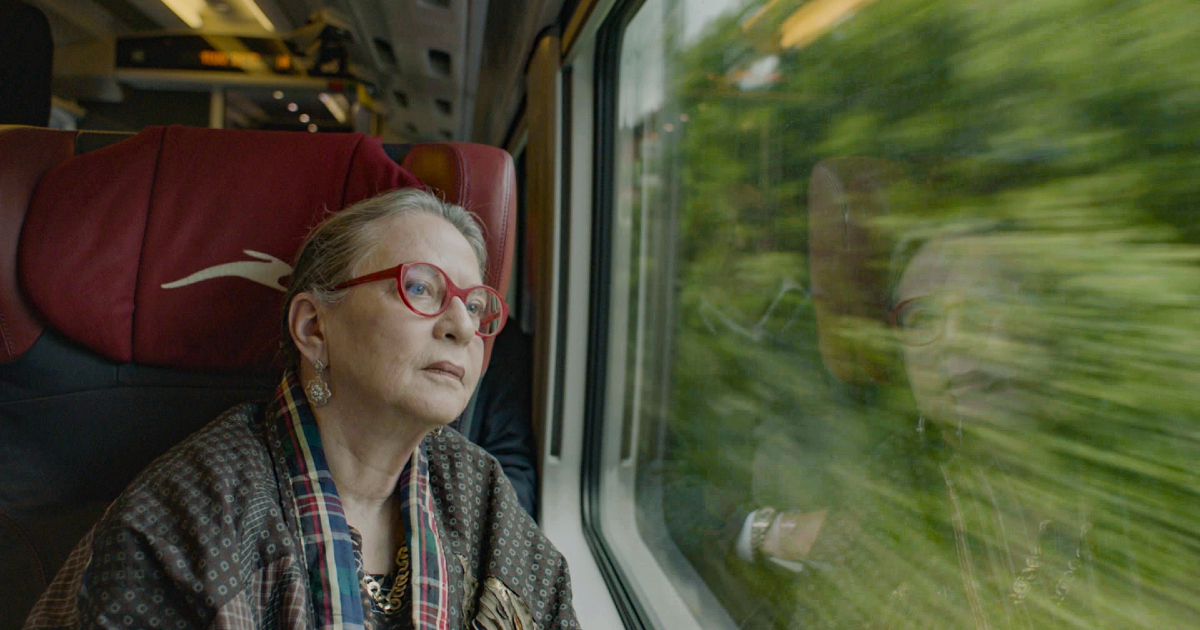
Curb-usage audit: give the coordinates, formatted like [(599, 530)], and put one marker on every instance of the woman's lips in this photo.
[(447, 368)]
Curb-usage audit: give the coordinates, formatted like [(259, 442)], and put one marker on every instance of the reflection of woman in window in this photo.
[(1006, 540), (955, 518)]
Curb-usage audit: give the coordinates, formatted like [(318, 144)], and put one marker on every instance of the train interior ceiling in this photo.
[(408, 71)]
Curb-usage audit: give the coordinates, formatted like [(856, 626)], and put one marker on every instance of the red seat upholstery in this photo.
[(140, 290), (848, 259), (113, 239)]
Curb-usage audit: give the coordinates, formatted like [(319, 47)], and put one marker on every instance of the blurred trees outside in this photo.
[(1076, 122)]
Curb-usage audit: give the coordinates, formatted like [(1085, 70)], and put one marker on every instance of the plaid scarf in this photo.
[(328, 550)]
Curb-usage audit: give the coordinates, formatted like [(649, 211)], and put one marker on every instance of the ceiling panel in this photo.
[(130, 15), (512, 28), (440, 90)]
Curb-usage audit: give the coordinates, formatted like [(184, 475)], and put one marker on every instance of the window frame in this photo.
[(671, 610), (609, 39)]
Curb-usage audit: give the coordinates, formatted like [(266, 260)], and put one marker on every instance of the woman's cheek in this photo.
[(925, 380)]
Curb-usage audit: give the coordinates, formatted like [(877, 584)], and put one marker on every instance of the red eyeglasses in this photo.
[(427, 291)]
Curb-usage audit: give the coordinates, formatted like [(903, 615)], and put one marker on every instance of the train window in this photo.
[(902, 304)]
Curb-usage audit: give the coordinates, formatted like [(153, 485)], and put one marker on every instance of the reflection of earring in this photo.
[(921, 424), (317, 389)]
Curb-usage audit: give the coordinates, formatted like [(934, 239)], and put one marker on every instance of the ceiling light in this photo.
[(336, 104), (278, 94), (258, 14), (304, 118), (814, 19), (187, 10), (292, 107), (762, 73), (757, 15), (312, 128)]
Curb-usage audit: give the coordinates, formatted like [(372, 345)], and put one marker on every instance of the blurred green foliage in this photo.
[(1076, 124)]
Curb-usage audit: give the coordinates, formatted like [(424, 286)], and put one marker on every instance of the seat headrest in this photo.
[(848, 260), (172, 247), (26, 154), (481, 179)]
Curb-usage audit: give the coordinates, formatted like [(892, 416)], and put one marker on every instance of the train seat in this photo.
[(140, 286), (848, 259)]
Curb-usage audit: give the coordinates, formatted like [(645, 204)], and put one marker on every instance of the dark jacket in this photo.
[(501, 415)]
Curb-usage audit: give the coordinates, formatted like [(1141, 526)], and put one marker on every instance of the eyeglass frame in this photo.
[(452, 291), (893, 317)]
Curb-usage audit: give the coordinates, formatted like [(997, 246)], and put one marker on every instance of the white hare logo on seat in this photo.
[(267, 271)]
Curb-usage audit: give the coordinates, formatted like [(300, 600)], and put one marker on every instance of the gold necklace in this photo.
[(390, 602)]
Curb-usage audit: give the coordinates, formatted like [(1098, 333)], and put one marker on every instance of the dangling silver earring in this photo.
[(317, 389), (921, 425), (436, 432)]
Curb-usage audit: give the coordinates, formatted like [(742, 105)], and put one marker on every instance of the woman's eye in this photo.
[(918, 318), (417, 289), (475, 308)]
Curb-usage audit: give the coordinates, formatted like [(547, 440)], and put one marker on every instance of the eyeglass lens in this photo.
[(425, 290), (923, 320), (920, 321)]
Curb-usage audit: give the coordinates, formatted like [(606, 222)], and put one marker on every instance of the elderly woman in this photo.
[(955, 516), (957, 520), (341, 503), (1004, 545)]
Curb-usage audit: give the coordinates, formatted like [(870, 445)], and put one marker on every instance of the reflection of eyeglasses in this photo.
[(922, 320), (427, 291)]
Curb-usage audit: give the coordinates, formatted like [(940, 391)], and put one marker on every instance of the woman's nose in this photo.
[(967, 327), (455, 322)]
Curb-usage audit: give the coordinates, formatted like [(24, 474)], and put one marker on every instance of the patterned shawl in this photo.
[(224, 532), (328, 549)]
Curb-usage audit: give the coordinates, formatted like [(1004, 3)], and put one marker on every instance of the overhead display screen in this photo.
[(254, 55)]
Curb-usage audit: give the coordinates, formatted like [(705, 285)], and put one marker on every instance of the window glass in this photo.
[(904, 324)]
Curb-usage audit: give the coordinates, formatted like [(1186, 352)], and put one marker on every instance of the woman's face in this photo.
[(381, 353), (959, 308)]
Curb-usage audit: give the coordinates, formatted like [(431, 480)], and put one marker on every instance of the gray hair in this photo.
[(336, 249)]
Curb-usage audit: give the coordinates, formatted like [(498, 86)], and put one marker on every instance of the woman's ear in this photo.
[(306, 326)]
